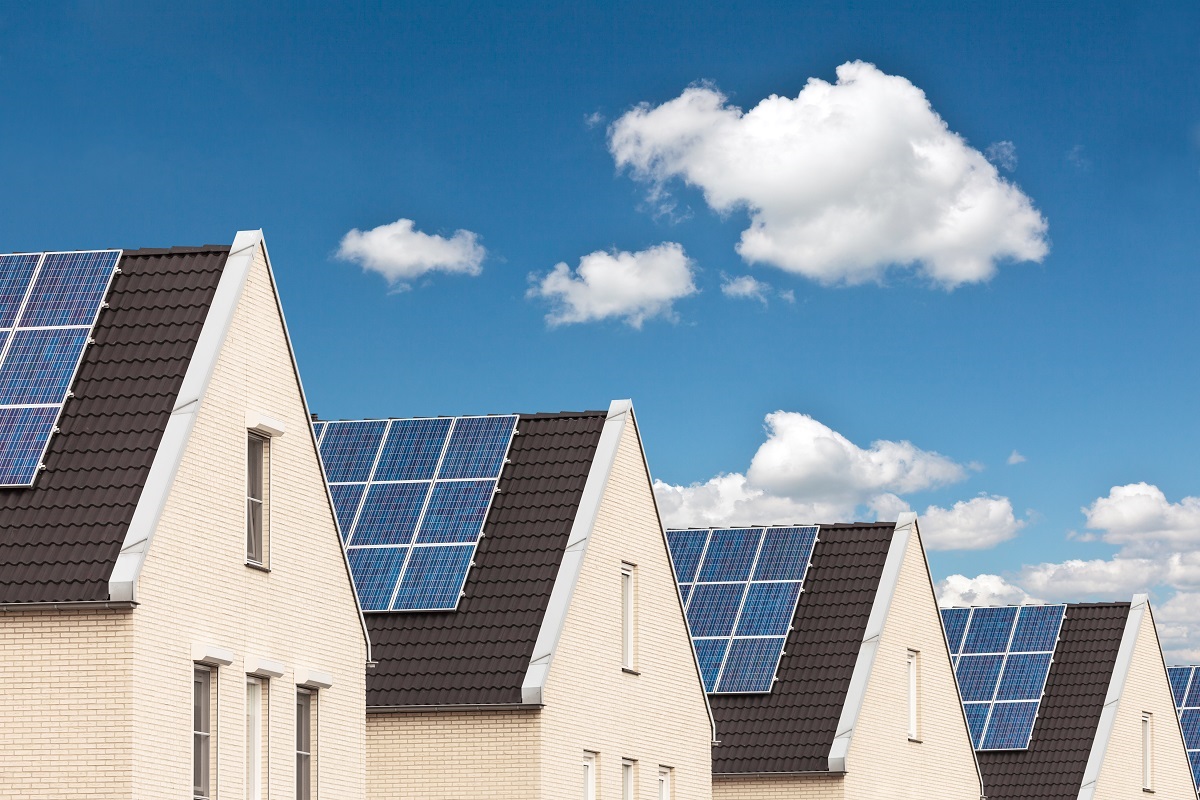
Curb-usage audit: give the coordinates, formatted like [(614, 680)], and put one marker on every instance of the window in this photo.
[(664, 783), (628, 590), (305, 756), (201, 730), (589, 776), (628, 779), (1147, 751), (914, 720), (257, 480), (255, 693)]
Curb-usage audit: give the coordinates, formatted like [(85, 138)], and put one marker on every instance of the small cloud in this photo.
[(401, 253), (788, 296), (982, 590), (1077, 159), (633, 287), (1015, 458), (745, 287), (976, 524), (594, 119), (1002, 154)]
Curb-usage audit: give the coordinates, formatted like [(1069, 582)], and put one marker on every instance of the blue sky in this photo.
[(149, 125)]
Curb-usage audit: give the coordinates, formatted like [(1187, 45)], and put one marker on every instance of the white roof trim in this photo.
[(1112, 701), (906, 526), (122, 584), (572, 562)]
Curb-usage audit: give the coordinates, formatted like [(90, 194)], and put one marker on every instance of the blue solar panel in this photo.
[(1185, 690), (1037, 629), (413, 449), (977, 714), (744, 578), (433, 578), (686, 548), (49, 303), (1179, 677), (989, 630), (1192, 698), (418, 493), (390, 513), (1194, 759), (1009, 726), (954, 620), (1024, 676), (750, 665), (1189, 719), (977, 677), (375, 570), (318, 430)]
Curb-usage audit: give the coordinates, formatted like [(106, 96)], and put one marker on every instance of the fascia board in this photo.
[(619, 411), (855, 695), (122, 584), (1112, 700)]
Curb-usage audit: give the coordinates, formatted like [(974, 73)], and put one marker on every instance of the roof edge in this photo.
[(122, 583), (1112, 701), (550, 631), (889, 579)]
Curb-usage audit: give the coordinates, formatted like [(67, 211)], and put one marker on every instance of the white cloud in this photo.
[(807, 472), (1095, 579), (1077, 158), (1015, 458), (400, 253), (841, 183), (982, 590), (633, 287), (975, 524), (1002, 154), (1178, 622), (745, 287), (1140, 519)]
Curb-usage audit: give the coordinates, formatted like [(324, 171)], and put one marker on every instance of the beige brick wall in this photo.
[(779, 787), (658, 717), (453, 755), (66, 705), (1146, 689), (882, 762), (196, 588)]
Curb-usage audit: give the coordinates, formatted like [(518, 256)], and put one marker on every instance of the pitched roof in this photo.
[(1052, 767), (479, 654), (62, 535), (792, 728)]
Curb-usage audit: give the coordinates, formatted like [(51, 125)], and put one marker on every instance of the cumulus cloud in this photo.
[(1015, 458), (807, 472), (633, 287), (1178, 622), (982, 590), (1140, 519), (1002, 154), (745, 287), (841, 182), (401, 253), (975, 524), (1077, 579)]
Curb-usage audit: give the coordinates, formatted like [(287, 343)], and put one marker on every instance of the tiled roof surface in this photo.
[(480, 653), (1052, 768), (792, 728), (59, 539)]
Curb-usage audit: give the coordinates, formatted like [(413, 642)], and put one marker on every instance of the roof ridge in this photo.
[(182, 250)]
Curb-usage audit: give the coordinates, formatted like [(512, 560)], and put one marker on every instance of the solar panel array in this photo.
[(49, 303), (1001, 657), (1185, 688), (740, 587), (411, 497)]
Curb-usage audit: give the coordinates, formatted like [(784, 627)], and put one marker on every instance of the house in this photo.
[(1068, 702), (828, 671), (1185, 689), (178, 614), (529, 638)]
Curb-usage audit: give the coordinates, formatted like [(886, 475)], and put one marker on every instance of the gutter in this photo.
[(463, 707), (68, 606)]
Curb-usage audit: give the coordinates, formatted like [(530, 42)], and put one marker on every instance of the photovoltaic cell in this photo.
[(1179, 677), (740, 587), (1185, 689), (417, 490), (1002, 658), (49, 303), (1192, 698), (1194, 759)]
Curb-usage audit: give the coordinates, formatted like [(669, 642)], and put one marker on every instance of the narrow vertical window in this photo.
[(305, 719), (1147, 751), (256, 462), (914, 720), (201, 731), (664, 783), (589, 776), (254, 729), (628, 596), (627, 779)]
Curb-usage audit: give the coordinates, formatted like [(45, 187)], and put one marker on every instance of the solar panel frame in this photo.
[(1185, 692), (26, 478)]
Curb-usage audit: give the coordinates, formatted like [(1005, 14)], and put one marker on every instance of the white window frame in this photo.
[(202, 731), (589, 775), (256, 691), (306, 711), (258, 540), (628, 617), (1147, 751), (664, 782), (913, 670), (628, 779)]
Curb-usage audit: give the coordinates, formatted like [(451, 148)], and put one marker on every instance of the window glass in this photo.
[(256, 470), (589, 776), (201, 730), (254, 728), (664, 783), (627, 616), (304, 752)]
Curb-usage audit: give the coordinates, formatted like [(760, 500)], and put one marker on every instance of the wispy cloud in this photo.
[(1002, 154), (1015, 458), (1078, 159), (401, 253)]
